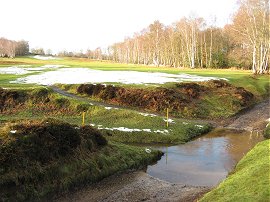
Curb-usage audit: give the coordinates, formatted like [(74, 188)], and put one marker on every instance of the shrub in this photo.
[(83, 107), (40, 141), (94, 134), (12, 98), (266, 133), (62, 102), (218, 84), (191, 89), (41, 95)]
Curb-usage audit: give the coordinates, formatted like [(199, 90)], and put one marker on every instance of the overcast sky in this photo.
[(80, 24)]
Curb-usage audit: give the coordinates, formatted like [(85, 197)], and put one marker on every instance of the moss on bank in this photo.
[(41, 159), (266, 133), (250, 181)]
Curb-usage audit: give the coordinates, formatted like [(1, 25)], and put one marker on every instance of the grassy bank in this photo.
[(205, 100), (45, 158), (249, 181), (117, 124)]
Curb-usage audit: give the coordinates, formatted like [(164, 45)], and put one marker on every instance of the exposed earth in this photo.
[(135, 186), (253, 119)]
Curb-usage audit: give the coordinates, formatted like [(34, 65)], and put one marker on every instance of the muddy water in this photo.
[(205, 161)]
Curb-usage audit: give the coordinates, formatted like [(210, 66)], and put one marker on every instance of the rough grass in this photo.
[(250, 181), (212, 99), (41, 103), (43, 159)]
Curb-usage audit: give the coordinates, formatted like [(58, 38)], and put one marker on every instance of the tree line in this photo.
[(190, 42), (11, 48)]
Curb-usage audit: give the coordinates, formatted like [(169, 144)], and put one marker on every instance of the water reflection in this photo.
[(206, 160)]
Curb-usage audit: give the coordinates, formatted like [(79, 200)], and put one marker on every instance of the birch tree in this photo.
[(251, 23)]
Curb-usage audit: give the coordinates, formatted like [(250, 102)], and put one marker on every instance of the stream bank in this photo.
[(140, 186)]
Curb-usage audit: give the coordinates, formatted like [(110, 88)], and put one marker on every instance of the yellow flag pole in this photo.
[(167, 117), (83, 118)]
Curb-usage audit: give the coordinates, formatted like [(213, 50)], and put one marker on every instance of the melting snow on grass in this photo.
[(145, 114), (84, 75), (109, 108), (124, 129), (199, 126), (169, 120), (17, 70), (41, 57), (27, 69)]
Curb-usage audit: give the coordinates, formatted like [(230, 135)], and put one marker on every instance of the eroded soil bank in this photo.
[(205, 100)]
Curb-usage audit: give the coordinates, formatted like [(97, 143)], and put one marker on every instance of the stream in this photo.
[(205, 161)]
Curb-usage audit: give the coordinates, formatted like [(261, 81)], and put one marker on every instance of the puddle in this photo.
[(205, 161)]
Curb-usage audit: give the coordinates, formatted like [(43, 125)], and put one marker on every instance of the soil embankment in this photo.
[(211, 99)]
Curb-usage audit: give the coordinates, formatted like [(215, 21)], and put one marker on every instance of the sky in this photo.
[(75, 25)]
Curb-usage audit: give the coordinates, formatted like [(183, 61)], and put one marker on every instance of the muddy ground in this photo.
[(135, 186), (253, 119), (139, 186)]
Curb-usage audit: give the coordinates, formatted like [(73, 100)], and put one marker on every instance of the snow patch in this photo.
[(148, 150), (26, 69), (199, 126), (17, 70), (145, 114), (109, 108), (41, 57), (84, 75), (169, 120), (124, 129)]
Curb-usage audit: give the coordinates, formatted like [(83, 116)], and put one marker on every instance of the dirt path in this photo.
[(70, 95), (253, 119), (135, 186), (73, 96)]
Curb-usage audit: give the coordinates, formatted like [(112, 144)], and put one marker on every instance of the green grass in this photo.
[(259, 85), (250, 181)]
